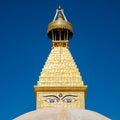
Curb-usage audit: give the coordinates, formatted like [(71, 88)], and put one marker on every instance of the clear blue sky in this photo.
[(24, 47)]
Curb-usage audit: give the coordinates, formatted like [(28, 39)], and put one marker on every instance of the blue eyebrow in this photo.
[(68, 96), (52, 96)]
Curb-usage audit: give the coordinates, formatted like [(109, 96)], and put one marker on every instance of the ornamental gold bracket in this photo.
[(59, 11)]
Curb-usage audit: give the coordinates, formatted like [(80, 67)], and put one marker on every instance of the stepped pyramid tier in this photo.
[(60, 69), (60, 77)]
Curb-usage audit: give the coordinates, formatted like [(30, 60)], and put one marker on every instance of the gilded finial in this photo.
[(59, 15), (60, 30), (59, 8)]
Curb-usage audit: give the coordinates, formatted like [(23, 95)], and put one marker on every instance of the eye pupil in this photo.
[(69, 100), (52, 101)]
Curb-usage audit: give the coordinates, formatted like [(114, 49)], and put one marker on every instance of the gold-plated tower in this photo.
[(60, 82)]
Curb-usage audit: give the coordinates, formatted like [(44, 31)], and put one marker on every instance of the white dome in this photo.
[(62, 114)]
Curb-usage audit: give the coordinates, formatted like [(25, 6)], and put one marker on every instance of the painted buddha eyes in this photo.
[(66, 99), (51, 100), (69, 100)]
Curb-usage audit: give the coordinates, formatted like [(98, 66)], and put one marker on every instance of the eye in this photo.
[(69, 100), (51, 100)]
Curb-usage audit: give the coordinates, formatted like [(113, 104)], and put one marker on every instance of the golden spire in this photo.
[(60, 74), (60, 30)]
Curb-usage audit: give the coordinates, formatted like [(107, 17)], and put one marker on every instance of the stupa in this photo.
[(60, 91)]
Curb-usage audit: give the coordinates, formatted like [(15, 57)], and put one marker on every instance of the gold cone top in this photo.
[(60, 23), (60, 69)]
